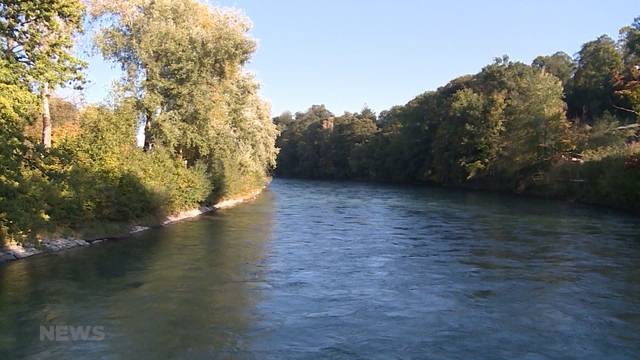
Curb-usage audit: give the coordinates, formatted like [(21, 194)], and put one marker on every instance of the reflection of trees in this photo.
[(185, 289), (67, 288), (513, 237), (197, 293)]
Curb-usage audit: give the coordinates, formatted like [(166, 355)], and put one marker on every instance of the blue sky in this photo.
[(346, 54)]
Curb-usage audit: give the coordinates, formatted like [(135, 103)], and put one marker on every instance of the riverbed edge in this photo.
[(13, 251)]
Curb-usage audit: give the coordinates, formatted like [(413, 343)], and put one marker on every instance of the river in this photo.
[(346, 271)]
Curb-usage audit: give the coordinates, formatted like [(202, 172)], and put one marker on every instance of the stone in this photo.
[(136, 229), (22, 252), (6, 256)]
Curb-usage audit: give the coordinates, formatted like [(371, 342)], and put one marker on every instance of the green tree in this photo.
[(536, 128), (599, 63), (17, 108), (628, 83), (287, 142), (36, 39), (630, 38), (198, 103), (559, 64), (469, 141), (314, 150), (351, 131), (174, 87)]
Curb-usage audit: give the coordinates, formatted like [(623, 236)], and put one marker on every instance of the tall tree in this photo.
[(174, 86), (628, 83), (630, 38), (599, 63), (559, 64), (351, 131), (36, 39), (314, 151), (536, 127), (183, 63)]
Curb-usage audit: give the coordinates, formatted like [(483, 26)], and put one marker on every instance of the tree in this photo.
[(287, 143), (17, 108), (351, 131), (469, 141), (628, 83), (64, 120), (183, 64), (559, 64), (536, 128), (173, 86), (36, 39), (599, 63), (630, 39), (314, 151)]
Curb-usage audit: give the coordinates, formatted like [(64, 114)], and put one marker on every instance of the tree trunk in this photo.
[(10, 45), (46, 116), (147, 133)]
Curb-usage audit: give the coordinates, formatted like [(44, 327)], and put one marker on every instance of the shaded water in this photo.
[(344, 270)]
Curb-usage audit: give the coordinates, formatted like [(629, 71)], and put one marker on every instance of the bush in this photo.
[(93, 178), (612, 181), (174, 186)]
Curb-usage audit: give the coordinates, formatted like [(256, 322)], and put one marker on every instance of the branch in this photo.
[(627, 127), (625, 109)]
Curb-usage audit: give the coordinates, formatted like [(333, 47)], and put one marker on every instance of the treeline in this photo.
[(561, 127), (69, 169)]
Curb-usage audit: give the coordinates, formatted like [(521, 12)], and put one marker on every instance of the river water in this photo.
[(342, 271)]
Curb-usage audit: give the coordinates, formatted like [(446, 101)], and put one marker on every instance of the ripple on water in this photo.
[(345, 270)]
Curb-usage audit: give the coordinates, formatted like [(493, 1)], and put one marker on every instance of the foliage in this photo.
[(507, 119), (198, 104), (16, 110), (628, 83), (559, 127), (212, 134), (37, 37), (559, 64), (321, 144), (599, 63)]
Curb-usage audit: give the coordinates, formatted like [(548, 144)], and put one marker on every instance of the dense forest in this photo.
[(561, 127), (77, 169)]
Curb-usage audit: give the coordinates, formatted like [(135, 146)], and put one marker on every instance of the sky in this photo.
[(348, 54)]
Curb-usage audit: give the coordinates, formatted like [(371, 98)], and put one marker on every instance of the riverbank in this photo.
[(14, 251)]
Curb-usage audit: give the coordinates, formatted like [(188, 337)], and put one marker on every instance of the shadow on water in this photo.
[(186, 290)]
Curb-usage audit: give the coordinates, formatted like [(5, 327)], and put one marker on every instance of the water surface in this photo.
[(344, 271)]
